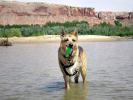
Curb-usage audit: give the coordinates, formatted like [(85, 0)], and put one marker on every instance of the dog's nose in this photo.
[(70, 45)]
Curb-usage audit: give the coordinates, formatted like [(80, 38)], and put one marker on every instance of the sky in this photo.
[(99, 5)]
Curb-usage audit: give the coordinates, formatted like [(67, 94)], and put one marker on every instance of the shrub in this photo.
[(118, 23), (10, 32), (54, 28), (13, 32), (83, 28)]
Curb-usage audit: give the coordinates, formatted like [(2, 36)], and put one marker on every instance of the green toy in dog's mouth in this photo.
[(68, 51)]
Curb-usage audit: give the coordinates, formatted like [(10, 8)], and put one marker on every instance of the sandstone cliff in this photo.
[(41, 13)]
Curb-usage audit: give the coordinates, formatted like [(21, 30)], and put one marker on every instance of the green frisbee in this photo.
[(68, 51)]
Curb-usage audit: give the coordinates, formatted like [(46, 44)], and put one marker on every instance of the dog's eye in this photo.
[(65, 40), (73, 40)]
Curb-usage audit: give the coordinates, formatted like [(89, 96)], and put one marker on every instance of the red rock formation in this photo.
[(21, 13), (106, 15), (41, 9), (41, 13), (64, 11), (1, 7), (122, 15), (130, 15)]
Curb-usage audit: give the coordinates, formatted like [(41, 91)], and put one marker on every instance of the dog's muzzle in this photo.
[(70, 45)]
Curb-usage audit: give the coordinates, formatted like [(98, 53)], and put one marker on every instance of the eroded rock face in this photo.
[(41, 13), (106, 15), (1, 7), (130, 15), (122, 15), (64, 11)]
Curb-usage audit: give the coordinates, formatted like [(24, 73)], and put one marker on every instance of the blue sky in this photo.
[(99, 5)]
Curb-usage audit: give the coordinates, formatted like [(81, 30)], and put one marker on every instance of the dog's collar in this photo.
[(66, 66)]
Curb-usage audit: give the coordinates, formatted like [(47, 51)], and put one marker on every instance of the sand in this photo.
[(56, 38)]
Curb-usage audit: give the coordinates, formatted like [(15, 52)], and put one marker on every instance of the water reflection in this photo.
[(77, 92)]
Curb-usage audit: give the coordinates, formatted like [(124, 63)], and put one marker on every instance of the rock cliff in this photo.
[(41, 13)]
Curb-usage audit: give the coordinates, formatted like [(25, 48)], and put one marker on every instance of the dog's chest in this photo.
[(75, 67)]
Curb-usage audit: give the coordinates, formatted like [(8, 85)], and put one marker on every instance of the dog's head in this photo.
[(69, 40)]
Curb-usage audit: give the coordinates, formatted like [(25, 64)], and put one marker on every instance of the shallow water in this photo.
[(31, 72)]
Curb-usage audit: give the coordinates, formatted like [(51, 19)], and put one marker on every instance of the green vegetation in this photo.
[(54, 28)]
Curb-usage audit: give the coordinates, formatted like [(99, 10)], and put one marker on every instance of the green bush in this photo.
[(10, 32), (102, 29), (13, 32), (31, 30), (118, 23), (2, 32), (83, 28), (54, 28)]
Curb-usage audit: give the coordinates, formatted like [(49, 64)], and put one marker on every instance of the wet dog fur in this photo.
[(78, 58)]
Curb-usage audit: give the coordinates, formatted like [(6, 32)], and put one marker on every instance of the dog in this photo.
[(74, 63)]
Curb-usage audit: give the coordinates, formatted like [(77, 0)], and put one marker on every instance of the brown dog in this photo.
[(73, 63)]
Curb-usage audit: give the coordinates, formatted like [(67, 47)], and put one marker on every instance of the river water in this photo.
[(31, 72)]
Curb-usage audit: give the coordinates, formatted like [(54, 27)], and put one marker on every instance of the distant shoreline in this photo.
[(56, 38)]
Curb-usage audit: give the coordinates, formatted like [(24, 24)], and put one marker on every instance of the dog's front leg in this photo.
[(67, 81)]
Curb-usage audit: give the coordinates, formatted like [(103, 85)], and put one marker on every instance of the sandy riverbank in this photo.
[(56, 38)]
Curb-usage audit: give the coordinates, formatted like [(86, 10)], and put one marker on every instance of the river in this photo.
[(31, 72)]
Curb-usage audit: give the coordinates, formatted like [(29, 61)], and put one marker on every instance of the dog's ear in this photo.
[(63, 33), (75, 32)]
